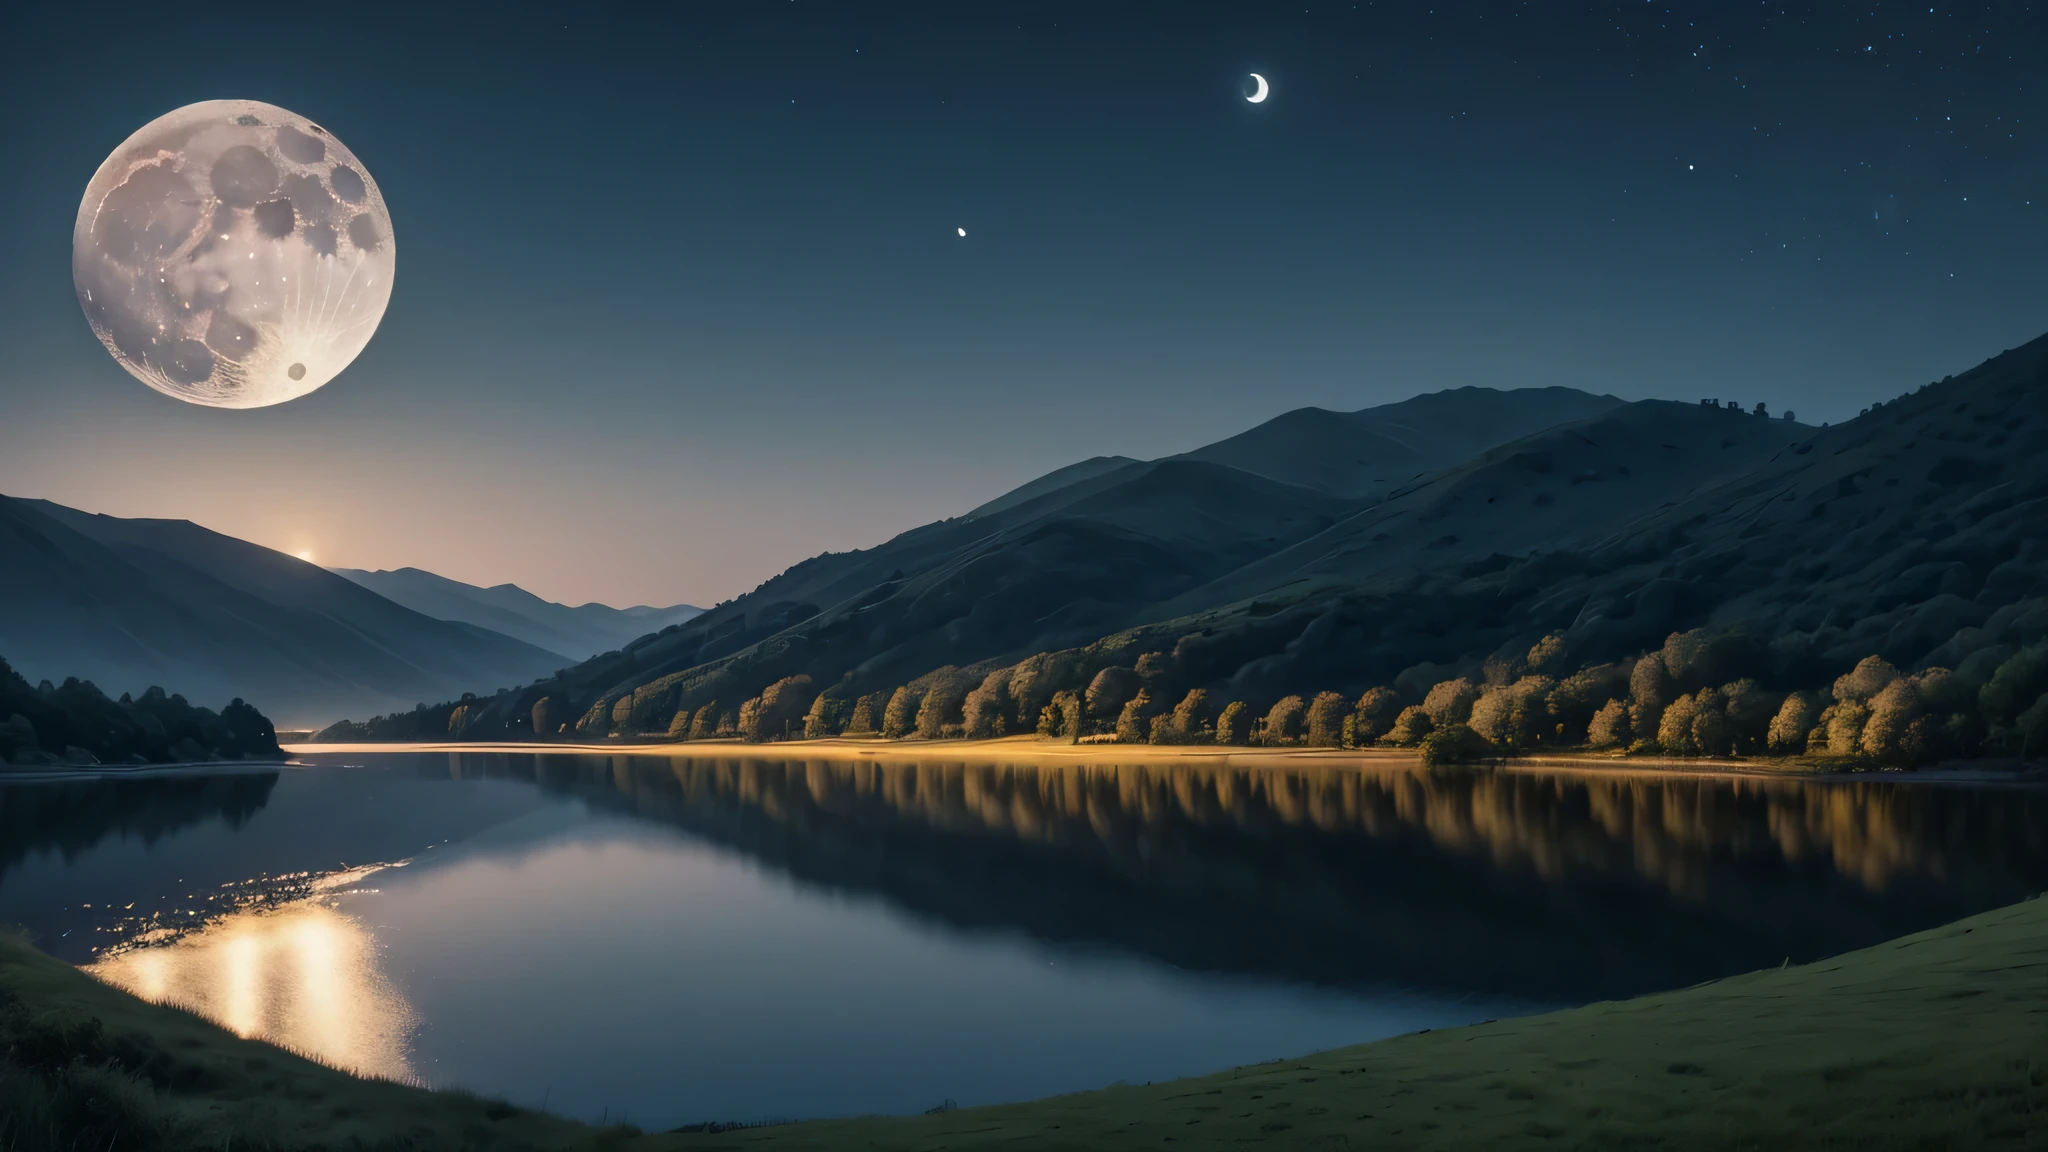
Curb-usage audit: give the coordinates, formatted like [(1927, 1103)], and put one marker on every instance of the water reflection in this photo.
[(305, 977), (1549, 886)]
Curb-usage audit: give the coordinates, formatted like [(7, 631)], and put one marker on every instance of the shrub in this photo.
[(1410, 727), (1610, 727), (1455, 744), (1189, 716), (1787, 734), (1450, 702), (1283, 721), (900, 716), (1111, 689), (1233, 724), (1133, 724), (1870, 677), (1326, 720), (1376, 712)]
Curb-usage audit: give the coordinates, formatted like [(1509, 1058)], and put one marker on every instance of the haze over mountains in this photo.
[(128, 604), (576, 633)]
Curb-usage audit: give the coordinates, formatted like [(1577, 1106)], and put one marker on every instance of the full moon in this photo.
[(1258, 97), (233, 254)]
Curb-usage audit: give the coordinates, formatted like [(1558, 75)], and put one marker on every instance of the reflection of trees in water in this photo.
[(71, 816), (1567, 887)]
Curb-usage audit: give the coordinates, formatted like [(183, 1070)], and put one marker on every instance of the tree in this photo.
[(1514, 715), (544, 721), (1111, 689), (750, 721), (1233, 724), (940, 707), (1547, 656), (1749, 710), (982, 712), (1885, 732), (1326, 720), (783, 705), (1711, 732), (1786, 735), (1674, 728), (1073, 718), (1376, 712), (1845, 727), (2032, 726), (1162, 729), (679, 724), (1649, 690), (819, 721), (1610, 727), (1283, 721), (866, 717), (1410, 727), (458, 720), (2011, 692), (704, 725), (1578, 696), (1188, 716), (1051, 720), (1455, 744), (1450, 702), (622, 713), (1132, 724), (1861, 685), (899, 718)]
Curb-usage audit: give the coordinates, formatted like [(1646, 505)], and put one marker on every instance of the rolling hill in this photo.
[(1375, 450), (128, 604), (1087, 550), (576, 633)]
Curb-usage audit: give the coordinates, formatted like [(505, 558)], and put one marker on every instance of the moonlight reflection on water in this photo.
[(304, 977)]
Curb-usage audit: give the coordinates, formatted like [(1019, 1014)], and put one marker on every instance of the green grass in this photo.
[(1936, 1040)]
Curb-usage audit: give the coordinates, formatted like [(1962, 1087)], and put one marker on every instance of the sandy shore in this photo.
[(1035, 750)]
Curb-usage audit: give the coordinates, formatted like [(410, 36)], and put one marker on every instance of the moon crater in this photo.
[(233, 254)]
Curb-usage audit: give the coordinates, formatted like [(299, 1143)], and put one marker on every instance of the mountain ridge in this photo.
[(576, 632)]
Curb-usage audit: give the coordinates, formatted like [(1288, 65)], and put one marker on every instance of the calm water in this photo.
[(673, 939)]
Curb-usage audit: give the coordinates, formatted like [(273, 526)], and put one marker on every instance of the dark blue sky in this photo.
[(680, 298)]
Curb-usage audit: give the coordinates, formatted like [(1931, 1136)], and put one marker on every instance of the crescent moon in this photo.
[(1258, 97)]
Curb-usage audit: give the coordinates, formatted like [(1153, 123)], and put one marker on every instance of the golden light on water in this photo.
[(304, 977)]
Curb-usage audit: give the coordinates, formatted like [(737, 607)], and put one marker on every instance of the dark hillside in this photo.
[(1914, 532), (131, 603), (1567, 488), (1375, 450)]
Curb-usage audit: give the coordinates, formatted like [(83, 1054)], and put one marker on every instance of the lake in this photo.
[(667, 940)]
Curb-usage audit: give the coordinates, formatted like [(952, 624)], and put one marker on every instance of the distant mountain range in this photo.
[(130, 604), (577, 633)]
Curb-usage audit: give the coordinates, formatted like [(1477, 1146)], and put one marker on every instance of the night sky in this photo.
[(680, 298)]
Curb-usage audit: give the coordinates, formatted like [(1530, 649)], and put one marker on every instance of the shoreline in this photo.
[(1013, 749), (1924, 1040)]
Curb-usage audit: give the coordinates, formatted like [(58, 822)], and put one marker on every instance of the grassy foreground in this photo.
[(1936, 1040)]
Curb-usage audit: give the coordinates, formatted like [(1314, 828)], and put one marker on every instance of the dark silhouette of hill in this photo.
[(577, 633), (128, 604), (1568, 487), (1913, 532), (1053, 571), (1053, 481), (1375, 450)]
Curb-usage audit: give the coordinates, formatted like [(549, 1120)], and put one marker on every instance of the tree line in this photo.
[(75, 723), (1705, 692)]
